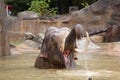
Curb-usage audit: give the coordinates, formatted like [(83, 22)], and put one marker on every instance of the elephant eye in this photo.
[(53, 38)]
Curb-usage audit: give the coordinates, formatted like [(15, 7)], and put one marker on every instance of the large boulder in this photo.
[(98, 16), (36, 38), (27, 15), (113, 34)]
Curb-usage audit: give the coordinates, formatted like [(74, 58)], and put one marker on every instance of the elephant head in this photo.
[(58, 47)]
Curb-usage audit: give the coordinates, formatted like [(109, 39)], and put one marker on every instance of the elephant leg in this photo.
[(42, 63)]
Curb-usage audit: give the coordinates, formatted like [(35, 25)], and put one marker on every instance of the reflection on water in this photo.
[(21, 67)]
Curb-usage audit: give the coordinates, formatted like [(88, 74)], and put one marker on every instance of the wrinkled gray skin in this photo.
[(51, 55)]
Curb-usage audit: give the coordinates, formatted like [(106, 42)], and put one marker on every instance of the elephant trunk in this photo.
[(86, 45), (79, 31), (75, 33)]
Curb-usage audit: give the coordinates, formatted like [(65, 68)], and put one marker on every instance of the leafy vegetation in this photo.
[(42, 7), (83, 3), (46, 7)]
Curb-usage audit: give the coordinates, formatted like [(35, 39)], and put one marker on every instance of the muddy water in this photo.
[(100, 67)]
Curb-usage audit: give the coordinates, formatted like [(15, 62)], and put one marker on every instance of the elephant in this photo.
[(59, 47)]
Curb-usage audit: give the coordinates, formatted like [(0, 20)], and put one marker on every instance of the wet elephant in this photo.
[(58, 48)]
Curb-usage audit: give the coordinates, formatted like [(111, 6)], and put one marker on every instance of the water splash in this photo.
[(88, 73), (84, 56)]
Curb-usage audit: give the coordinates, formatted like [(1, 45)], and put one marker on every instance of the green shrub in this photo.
[(42, 8)]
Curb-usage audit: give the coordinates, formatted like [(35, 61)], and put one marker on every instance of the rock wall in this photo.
[(17, 28), (99, 15)]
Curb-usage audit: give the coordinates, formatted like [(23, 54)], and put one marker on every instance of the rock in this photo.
[(12, 45), (39, 38), (97, 38), (27, 14), (36, 38), (96, 15), (113, 34), (29, 36), (116, 15)]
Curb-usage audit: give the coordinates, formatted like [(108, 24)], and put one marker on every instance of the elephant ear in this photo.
[(62, 46), (43, 53), (79, 31)]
